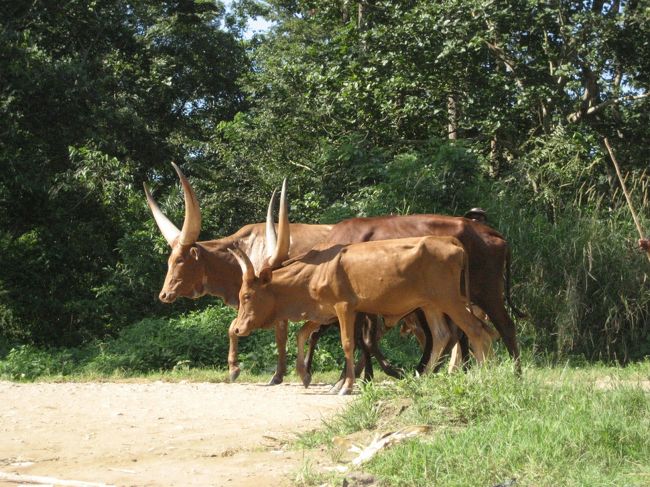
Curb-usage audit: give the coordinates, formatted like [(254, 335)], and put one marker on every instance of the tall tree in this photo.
[(95, 98)]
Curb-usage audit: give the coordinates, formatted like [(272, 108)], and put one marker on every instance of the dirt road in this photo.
[(158, 434)]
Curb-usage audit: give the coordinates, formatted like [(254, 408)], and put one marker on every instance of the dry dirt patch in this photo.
[(158, 433)]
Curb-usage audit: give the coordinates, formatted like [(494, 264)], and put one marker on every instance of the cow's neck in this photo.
[(222, 275), (294, 301)]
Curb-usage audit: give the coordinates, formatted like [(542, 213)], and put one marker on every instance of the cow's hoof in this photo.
[(345, 391), (306, 380), (337, 387), (234, 373), (275, 380)]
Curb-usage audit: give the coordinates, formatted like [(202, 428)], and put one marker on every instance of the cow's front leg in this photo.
[(281, 343), (346, 316), (233, 363)]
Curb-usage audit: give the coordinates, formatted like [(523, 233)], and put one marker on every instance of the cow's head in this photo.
[(185, 273), (256, 298)]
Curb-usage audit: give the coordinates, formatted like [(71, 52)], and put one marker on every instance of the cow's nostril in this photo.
[(167, 297)]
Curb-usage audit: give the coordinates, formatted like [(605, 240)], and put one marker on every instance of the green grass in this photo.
[(29, 364), (566, 426)]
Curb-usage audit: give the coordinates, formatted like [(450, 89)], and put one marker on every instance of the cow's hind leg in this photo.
[(475, 330), (495, 309), (346, 316), (463, 342), (426, 340), (457, 348), (365, 331), (440, 335)]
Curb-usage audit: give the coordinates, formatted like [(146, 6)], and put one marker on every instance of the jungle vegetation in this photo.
[(368, 107)]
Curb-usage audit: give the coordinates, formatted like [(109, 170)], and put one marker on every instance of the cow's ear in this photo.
[(194, 252), (266, 275)]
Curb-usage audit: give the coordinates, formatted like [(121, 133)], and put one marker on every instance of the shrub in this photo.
[(27, 362), (197, 339)]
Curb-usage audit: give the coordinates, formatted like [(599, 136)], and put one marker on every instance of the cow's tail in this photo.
[(468, 299), (518, 313)]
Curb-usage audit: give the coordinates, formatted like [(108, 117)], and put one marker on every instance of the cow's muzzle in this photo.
[(241, 331), (167, 297)]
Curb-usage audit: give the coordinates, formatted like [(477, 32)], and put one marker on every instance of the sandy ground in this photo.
[(168, 434)]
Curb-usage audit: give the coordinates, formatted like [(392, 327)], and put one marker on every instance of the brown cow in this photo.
[(487, 251), (199, 268), (391, 278)]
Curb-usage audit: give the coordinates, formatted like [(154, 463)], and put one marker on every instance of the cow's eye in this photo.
[(247, 297), (179, 261)]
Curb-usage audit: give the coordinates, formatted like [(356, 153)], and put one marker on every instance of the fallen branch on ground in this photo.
[(388, 439)]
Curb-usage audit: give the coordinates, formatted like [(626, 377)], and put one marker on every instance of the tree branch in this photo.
[(507, 62), (578, 115)]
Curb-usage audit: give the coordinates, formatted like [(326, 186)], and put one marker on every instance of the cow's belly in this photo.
[(394, 300)]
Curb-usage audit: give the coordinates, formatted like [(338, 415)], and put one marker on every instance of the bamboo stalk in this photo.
[(627, 195)]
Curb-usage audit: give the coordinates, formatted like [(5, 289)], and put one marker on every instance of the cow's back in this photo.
[(404, 226)]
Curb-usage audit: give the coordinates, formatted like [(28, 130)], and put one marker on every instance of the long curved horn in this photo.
[(167, 228), (271, 237), (281, 249), (192, 224), (248, 272)]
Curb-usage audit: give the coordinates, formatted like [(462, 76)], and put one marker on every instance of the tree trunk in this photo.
[(452, 117), (361, 15)]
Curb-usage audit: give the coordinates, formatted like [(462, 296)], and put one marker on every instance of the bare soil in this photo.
[(158, 433)]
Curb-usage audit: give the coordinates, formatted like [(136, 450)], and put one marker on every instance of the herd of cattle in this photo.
[(441, 275)]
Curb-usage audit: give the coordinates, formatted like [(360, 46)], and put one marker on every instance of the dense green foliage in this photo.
[(152, 344), (549, 427), (370, 108), (96, 98)]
